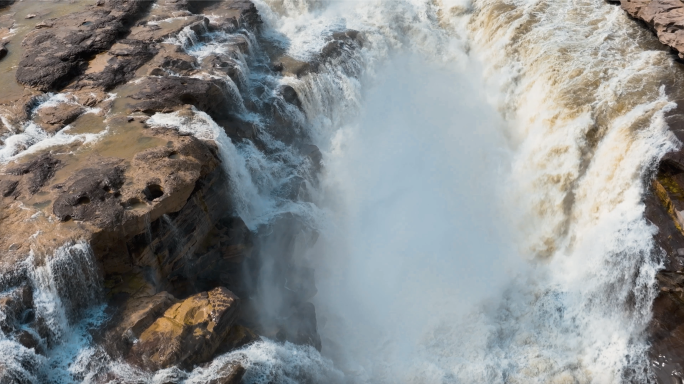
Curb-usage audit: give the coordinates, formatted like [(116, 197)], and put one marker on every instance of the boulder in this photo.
[(237, 337), (230, 16), (189, 332), (54, 118), (231, 373), (140, 313), (167, 94)]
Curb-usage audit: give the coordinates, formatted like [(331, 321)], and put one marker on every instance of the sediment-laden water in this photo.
[(479, 212)]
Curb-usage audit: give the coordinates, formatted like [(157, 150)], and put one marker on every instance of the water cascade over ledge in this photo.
[(399, 191)]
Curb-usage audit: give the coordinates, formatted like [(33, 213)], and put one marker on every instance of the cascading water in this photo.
[(479, 207), (417, 272)]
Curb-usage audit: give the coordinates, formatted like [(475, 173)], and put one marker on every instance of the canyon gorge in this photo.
[(319, 191)]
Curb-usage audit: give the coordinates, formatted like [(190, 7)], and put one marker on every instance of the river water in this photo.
[(479, 211), (484, 168)]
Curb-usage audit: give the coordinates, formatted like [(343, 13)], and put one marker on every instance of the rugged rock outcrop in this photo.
[(664, 17), (189, 332), (153, 204), (165, 94), (59, 48)]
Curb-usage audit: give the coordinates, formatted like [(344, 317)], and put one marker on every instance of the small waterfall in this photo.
[(67, 292)]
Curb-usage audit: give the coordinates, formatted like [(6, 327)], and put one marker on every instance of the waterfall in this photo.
[(462, 248), (66, 305), (478, 217)]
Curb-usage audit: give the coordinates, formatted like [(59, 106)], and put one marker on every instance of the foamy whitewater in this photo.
[(480, 206)]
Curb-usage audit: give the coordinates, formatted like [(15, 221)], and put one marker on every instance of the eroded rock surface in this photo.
[(153, 202), (665, 17), (189, 332), (59, 48)]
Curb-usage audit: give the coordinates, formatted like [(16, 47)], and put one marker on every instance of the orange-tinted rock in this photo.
[(189, 332), (140, 313)]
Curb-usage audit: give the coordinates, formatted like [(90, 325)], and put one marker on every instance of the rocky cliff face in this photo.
[(102, 160)]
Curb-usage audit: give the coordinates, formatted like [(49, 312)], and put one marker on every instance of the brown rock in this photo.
[(57, 49), (167, 94), (229, 374), (93, 194), (665, 17), (32, 175), (238, 337), (232, 15), (140, 313), (162, 30), (189, 332), (173, 58), (54, 118)]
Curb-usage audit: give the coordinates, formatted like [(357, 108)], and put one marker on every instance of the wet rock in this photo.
[(338, 43), (32, 175), (229, 374), (93, 194), (16, 111), (116, 66), (59, 49), (29, 340), (238, 337), (290, 95), (7, 187), (13, 305), (150, 33), (665, 17), (189, 332), (52, 119), (197, 248), (230, 16), (663, 209), (167, 94), (222, 65), (120, 63), (97, 193), (171, 57), (300, 327), (6, 3), (137, 314), (3, 51)]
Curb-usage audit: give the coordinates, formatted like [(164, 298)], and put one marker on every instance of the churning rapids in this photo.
[(480, 207)]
